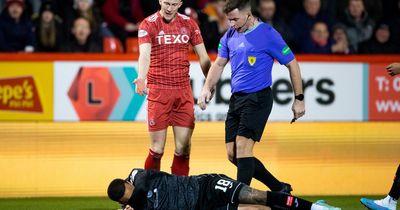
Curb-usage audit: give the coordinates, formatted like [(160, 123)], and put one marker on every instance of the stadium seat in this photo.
[(112, 45), (132, 45)]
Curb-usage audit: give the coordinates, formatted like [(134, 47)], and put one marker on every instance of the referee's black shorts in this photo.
[(247, 115), (218, 192)]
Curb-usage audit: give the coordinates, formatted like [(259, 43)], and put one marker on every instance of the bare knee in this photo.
[(244, 147), (231, 153), (183, 148), (157, 145)]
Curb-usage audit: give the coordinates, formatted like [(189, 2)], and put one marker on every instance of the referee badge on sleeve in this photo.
[(251, 60)]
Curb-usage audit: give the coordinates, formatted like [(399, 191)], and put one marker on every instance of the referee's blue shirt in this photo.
[(252, 55)]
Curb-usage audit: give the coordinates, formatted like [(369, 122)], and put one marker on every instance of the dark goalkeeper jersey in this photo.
[(159, 190)]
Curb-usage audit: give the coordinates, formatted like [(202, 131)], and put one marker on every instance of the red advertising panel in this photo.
[(93, 93), (19, 94), (384, 94)]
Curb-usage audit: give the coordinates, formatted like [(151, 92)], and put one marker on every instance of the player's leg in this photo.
[(182, 120), (252, 207), (245, 159), (159, 107), (180, 163), (156, 151), (395, 190), (253, 118), (390, 201), (222, 191), (278, 200)]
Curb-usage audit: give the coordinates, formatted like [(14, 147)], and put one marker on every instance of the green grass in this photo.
[(101, 203)]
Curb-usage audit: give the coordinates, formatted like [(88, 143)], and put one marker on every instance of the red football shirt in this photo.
[(169, 61)]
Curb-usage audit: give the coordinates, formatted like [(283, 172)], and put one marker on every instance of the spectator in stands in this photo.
[(303, 21), (32, 7), (340, 40), (214, 11), (48, 29), (213, 23), (16, 31), (85, 8), (373, 7), (380, 42), (123, 17), (358, 23), (267, 13), (318, 42), (82, 40)]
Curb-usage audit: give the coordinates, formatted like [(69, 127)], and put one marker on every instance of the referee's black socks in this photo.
[(245, 169), (264, 176), (277, 200), (395, 190), (252, 167)]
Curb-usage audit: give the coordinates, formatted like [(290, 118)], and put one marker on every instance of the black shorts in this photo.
[(247, 115), (218, 192)]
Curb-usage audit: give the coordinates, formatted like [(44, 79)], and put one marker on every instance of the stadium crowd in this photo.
[(309, 26)]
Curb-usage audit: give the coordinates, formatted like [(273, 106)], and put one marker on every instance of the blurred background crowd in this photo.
[(308, 26)]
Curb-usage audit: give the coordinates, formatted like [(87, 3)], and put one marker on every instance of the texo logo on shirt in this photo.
[(172, 39)]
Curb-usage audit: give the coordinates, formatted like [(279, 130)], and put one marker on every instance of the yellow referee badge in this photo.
[(252, 60)]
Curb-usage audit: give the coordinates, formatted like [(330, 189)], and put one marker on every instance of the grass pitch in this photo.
[(102, 203)]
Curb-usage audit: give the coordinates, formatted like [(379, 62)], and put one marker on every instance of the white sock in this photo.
[(388, 202), (317, 207)]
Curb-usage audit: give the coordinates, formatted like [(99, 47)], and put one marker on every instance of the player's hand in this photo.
[(393, 69), (205, 97), (140, 86), (131, 27), (298, 109), (128, 207)]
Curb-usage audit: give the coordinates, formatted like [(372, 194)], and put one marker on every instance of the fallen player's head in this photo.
[(120, 190)]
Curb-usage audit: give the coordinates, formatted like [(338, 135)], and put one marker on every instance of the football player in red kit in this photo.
[(164, 43)]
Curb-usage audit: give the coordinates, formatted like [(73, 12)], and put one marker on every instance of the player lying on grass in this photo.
[(149, 189)]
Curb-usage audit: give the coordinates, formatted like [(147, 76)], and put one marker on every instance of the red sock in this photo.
[(180, 165), (153, 160)]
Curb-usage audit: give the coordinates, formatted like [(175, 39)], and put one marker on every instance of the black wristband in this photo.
[(299, 97)]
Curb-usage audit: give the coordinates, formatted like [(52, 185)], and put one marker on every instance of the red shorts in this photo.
[(170, 107)]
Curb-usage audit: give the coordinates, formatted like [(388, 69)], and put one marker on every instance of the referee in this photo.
[(251, 47)]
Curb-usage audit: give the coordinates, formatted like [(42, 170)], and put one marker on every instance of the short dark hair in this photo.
[(116, 189), (236, 4)]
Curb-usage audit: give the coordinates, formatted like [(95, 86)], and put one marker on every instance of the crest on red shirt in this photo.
[(184, 30)]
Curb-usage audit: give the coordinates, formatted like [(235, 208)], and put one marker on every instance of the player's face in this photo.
[(239, 20), (129, 188), (169, 8)]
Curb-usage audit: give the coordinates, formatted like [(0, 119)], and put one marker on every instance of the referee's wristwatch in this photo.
[(299, 97)]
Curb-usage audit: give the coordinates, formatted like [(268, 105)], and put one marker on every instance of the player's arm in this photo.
[(211, 81), (298, 107), (204, 60), (144, 64)]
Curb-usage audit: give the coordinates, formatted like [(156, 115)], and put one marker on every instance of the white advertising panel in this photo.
[(333, 92), (103, 91)]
